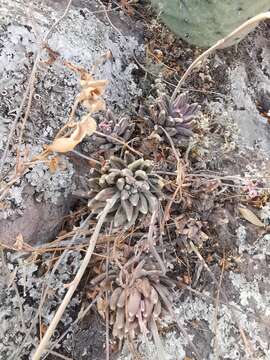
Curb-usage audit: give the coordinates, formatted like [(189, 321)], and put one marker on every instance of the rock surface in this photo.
[(214, 329), (83, 40)]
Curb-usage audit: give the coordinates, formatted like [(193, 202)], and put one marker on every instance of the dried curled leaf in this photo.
[(87, 126), (94, 105), (91, 92), (64, 144), (250, 217)]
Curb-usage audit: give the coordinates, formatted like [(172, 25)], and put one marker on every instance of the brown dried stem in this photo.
[(120, 142), (74, 284), (229, 40), (30, 89)]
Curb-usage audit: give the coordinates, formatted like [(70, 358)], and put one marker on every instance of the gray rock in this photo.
[(38, 222), (81, 38)]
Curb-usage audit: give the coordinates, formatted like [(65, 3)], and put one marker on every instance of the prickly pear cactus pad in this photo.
[(203, 22)]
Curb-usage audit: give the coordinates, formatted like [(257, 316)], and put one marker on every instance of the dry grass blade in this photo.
[(229, 40), (73, 286), (60, 356), (80, 316), (77, 233), (29, 90), (179, 180), (180, 327), (123, 143), (217, 302), (151, 243), (160, 350), (14, 124), (5, 269)]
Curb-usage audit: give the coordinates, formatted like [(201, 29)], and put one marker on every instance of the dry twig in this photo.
[(229, 40), (30, 89), (74, 284)]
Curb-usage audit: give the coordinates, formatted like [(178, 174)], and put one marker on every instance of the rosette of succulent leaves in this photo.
[(137, 296), (175, 117), (119, 127), (132, 182)]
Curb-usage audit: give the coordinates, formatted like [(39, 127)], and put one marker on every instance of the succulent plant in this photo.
[(109, 124), (136, 186), (175, 117), (136, 296)]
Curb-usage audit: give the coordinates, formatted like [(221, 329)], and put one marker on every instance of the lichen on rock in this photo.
[(18, 308), (49, 186), (55, 88)]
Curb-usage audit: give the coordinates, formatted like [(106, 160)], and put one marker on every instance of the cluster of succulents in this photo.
[(109, 124), (136, 296), (175, 117), (137, 291), (134, 184)]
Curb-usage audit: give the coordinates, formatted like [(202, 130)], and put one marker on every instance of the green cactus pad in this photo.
[(204, 22)]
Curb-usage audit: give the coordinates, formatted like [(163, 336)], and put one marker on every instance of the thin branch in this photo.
[(179, 325), (60, 356), (151, 242), (76, 152), (160, 350), (73, 286), (30, 89), (229, 40), (15, 287), (217, 302), (79, 318), (48, 281), (15, 121), (119, 141), (49, 33), (108, 18), (107, 301)]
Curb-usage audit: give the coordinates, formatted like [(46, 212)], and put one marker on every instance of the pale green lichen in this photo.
[(51, 185), (14, 325), (56, 86), (220, 336)]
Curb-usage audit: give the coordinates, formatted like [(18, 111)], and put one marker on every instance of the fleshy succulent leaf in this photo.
[(175, 117), (136, 185)]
